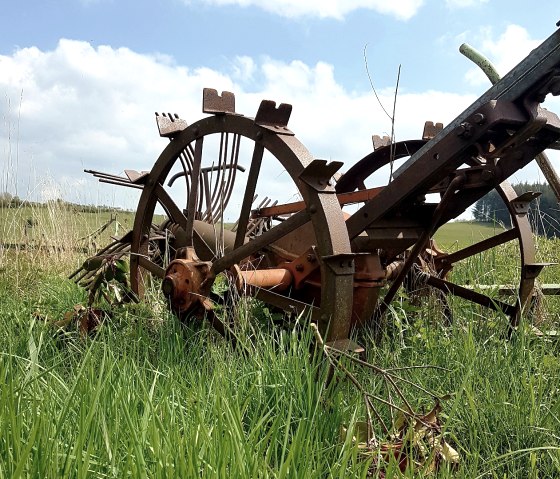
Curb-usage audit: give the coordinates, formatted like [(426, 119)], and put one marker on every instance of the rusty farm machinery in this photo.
[(247, 205)]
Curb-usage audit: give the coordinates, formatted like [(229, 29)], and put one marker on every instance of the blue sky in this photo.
[(80, 80)]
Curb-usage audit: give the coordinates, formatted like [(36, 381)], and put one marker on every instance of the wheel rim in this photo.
[(321, 208), (520, 232)]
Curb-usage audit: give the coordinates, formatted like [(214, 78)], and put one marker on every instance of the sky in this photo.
[(80, 80)]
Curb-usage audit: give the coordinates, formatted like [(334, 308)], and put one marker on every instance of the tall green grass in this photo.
[(149, 396)]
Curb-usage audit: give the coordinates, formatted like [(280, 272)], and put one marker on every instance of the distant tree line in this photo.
[(7, 200), (544, 212)]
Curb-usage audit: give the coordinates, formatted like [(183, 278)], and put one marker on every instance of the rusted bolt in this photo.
[(465, 130), (312, 209), (479, 118), (487, 175), (259, 135), (299, 267), (311, 258)]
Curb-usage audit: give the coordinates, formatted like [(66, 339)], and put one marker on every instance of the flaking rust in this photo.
[(311, 255)]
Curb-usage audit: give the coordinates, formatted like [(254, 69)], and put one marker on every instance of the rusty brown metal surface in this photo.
[(308, 256)]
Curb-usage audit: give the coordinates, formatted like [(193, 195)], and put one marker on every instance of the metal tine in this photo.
[(101, 174), (222, 158), (128, 184), (232, 171)]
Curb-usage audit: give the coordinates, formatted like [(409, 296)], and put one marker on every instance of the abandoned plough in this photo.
[(303, 252)]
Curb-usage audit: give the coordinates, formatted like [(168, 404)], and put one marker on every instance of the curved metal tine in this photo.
[(232, 167), (193, 193), (268, 237), (184, 159), (236, 224), (216, 180), (207, 215), (221, 170)]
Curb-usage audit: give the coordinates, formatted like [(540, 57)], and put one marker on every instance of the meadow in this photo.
[(149, 396)]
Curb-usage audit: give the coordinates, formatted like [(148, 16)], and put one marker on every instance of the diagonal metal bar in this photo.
[(470, 295), (480, 247), (249, 194), (270, 236), (172, 210), (153, 268), (193, 193)]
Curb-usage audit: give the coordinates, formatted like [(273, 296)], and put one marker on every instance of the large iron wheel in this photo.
[(433, 267), (219, 145)]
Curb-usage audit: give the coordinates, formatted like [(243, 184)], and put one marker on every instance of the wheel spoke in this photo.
[(172, 210), (153, 268), (270, 236), (193, 193), (249, 194), (481, 246), (470, 295)]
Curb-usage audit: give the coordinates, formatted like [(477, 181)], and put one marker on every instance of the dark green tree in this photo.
[(544, 213)]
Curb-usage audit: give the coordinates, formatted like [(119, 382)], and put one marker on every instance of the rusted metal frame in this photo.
[(364, 168), (531, 78), (193, 193), (446, 155), (488, 68), (507, 166), (343, 198), (470, 295), (249, 194), (419, 246), (524, 80)]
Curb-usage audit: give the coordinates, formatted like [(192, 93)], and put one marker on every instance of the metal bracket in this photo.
[(318, 174), (136, 177), (380, 141), (522, 202), (341, 264), (169, 124), (274, 119), (431, 130), (216, 104), (532, 270)]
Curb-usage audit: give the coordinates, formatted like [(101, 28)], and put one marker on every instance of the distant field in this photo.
[(51, 222), (456, 235), (56, 224)]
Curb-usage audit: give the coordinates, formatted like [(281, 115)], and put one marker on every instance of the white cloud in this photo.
[(338, 9), (464, 3), (79, 107)]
